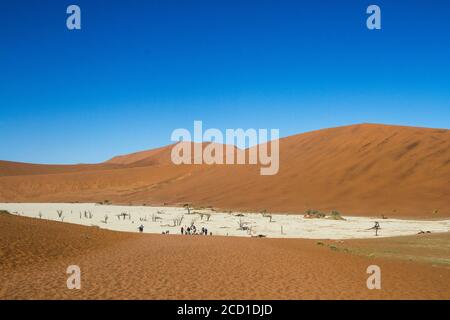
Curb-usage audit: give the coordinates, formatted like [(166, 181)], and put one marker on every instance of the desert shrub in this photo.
[(314, 214), (336, 215)]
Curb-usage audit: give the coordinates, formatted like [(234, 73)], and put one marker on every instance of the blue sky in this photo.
[(140, 69)]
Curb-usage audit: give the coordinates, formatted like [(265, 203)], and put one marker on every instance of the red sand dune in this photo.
[(35, 254), (365, 169)]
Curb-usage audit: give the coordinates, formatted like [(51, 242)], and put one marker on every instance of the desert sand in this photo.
[(34, 256), (360, 170), (364, 171), (157, 220)]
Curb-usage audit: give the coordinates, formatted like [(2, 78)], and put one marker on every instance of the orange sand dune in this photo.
[(8, 168), (362, 169), (35, 254)]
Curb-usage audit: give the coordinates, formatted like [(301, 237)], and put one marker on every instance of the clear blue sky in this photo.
[(140, 69)]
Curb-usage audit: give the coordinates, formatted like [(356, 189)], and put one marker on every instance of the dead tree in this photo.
[(207, 215), (242, 225), (266, 215), (376, 227), (188, 208), (155, 218), (177, 221)]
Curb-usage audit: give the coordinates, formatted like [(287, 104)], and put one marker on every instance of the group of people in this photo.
[(193, 230), (185, 230)]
